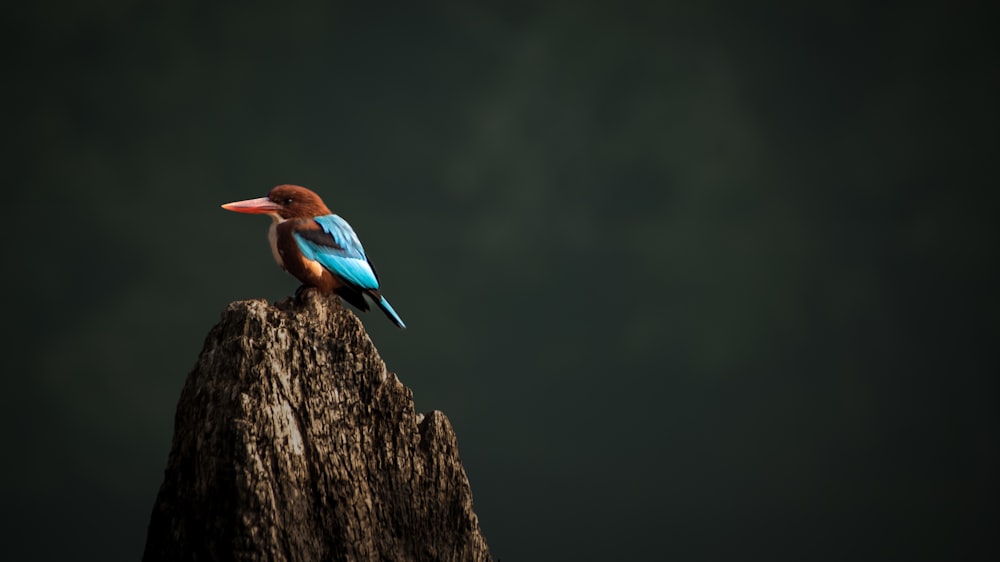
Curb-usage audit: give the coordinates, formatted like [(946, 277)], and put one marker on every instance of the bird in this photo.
[(317, 247)]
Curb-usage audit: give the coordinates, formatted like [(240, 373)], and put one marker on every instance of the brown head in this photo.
[(282, 203)]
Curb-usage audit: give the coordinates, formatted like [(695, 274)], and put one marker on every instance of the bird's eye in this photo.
[(288, 201)]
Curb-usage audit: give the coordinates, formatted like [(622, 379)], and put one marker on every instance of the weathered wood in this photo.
[(292, 442)]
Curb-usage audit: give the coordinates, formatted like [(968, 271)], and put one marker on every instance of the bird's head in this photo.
[(282, 203)]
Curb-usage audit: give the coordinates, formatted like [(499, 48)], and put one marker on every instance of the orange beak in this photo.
[(259, 206)]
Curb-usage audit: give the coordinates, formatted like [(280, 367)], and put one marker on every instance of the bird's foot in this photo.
[(302, 292)]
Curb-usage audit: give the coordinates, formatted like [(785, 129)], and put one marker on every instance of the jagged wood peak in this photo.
[(293, 442)]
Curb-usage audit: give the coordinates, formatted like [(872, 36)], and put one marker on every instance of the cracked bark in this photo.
[(293, 442)]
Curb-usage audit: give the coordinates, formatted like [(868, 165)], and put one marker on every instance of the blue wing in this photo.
[(345, 257)]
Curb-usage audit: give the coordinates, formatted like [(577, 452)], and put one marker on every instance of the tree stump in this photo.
[(292, 442)]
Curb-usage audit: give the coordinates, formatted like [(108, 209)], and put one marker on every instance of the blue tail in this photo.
[(387, 309)]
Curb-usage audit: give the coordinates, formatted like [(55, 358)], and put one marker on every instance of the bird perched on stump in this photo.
[(316, 246)]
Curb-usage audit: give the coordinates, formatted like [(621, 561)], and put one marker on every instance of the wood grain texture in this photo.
[(293, 442)]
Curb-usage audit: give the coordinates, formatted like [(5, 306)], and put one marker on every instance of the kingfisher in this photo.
[(318, 247)]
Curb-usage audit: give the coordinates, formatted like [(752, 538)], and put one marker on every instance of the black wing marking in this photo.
[(320, 238)]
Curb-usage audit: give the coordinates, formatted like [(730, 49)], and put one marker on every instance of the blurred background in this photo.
[(692, 281)]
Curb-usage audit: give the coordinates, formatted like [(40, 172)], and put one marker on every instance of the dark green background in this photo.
[(692, 281)]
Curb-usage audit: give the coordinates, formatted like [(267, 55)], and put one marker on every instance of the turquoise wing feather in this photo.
[(346, 258)]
